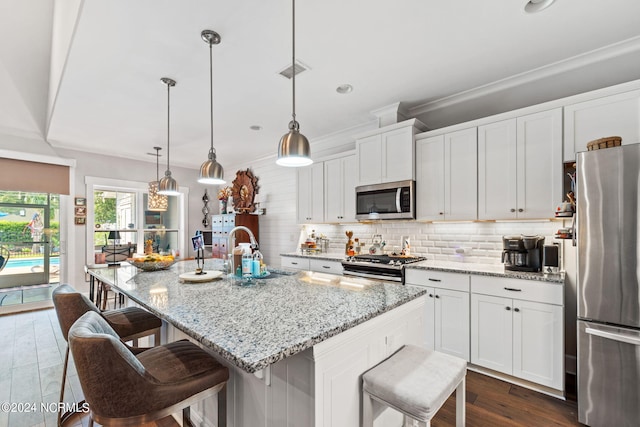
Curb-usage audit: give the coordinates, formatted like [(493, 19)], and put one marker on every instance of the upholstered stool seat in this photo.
[(129, 323), (127, 386), (415, 382)]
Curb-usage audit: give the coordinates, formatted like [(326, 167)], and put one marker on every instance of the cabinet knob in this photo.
[(520, 210), (430, 295), (513, 210), (437, 296), (440, 213), (517, 310), (508, 308)]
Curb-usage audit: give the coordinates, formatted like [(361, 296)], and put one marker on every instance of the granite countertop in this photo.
[(496, 270), (255, 326)]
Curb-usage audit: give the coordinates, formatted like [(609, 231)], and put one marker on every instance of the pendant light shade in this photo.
[(156, 202), (168, 186), (211, 172), (294, 149)]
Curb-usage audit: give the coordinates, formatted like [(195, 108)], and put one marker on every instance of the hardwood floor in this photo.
[(32, 352)]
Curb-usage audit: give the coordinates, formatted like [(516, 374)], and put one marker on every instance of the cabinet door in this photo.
[(460, 175), (397, 155), (311, 193), (430, 319), (369, 155), (615, 115), (430, 178), (491, 332), (339, 179), (539, 164), (538, 337), (452, 322), (497, 170)]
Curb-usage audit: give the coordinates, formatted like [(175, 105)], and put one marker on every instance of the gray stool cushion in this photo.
[(415, 380)]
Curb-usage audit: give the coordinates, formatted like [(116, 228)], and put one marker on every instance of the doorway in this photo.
[(29, 246)]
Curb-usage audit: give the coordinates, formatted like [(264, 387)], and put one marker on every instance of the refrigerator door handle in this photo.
[(625, 338), (574, 230)]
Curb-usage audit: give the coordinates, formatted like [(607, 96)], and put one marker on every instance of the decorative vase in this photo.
[(223, 206)]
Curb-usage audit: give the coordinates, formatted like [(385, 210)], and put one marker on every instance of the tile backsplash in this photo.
[(474, 242)]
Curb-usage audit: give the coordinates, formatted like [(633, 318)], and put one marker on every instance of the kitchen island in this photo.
[(296, 344)]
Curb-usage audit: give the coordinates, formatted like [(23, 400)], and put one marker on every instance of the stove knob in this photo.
[(391, 262), (398, 263)]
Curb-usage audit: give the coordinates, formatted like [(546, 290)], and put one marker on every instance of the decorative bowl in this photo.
[(151, 265)]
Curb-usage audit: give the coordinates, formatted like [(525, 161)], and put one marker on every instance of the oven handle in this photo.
[(372, 276), (398, 194)]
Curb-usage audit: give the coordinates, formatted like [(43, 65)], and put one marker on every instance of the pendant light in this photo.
[(211, 172), (293, 149), (168, 186), (156, 202)]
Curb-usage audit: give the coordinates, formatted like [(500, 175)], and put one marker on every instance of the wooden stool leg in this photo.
[(156, 337), (64, 379), (460, 403), (222, 407), (367, 410)]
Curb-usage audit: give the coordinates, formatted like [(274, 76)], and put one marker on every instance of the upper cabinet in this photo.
[(311, 194), (339, 187), (446, 176), (386, 154), (614, 115), (520, 167)]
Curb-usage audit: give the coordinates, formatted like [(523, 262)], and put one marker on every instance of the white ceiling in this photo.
[(108, 58)]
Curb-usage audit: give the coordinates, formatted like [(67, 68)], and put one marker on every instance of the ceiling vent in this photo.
[(288, 72)]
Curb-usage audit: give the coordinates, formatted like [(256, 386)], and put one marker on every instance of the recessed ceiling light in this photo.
[(534, 6), (344, 89), (255, 127)]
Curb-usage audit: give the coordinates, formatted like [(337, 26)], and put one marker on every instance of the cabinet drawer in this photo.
[(324, 266), (437, 279), (294, 262), (527, 290)]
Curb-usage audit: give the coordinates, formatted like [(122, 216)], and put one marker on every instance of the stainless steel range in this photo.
[(383, 267)]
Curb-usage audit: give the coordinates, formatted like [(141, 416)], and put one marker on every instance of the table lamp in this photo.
[(113, 235)]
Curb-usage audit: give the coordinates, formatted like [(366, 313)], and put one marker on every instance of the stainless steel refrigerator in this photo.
[(608, 240)]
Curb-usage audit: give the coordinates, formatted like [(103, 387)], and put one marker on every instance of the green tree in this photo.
[(104, 208)]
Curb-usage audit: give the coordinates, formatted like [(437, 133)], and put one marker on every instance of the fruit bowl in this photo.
[(152, 262)]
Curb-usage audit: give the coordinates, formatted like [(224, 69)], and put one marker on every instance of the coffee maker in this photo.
[(522, 253)]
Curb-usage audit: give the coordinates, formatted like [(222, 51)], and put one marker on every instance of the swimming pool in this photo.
[(31, 262)]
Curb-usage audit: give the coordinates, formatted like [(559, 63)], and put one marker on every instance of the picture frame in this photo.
[(80, 211), (80, 220), (80, 201)]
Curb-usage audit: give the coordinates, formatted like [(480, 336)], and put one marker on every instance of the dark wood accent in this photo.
[(492, 402), (222, 224)]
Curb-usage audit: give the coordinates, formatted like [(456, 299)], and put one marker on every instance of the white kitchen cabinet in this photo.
[(297, 263), (520, 336), (339, 187), (520, 167), (325, 266), (446, 176), (614, 115), (446, 310), (387, 154), (311, 194)]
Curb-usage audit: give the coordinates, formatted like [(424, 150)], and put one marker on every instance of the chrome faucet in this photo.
[(232, 243)]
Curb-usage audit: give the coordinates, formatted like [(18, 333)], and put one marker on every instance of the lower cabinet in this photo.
[(517, 329), (446, 310), (311, 264)]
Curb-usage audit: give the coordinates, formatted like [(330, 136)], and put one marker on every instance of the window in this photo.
[(121, 206)]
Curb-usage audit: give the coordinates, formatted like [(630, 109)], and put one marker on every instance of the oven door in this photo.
[(379, 272), (395, 200)]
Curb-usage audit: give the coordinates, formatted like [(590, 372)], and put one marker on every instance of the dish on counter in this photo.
[(152, 262)]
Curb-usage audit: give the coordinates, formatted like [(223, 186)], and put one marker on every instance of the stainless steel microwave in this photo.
[(393, 200)]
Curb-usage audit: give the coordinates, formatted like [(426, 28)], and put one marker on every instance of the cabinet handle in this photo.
[(294, 263), (437, 296), (430, 295), (513, 289), (440, 213), (326, 266), (434, 280), (520, 210), (517, 310), (508, 308), (513, 210)]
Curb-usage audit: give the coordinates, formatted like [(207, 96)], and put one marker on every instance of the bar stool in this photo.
[(126, 386), (130, 323), (415, 382)]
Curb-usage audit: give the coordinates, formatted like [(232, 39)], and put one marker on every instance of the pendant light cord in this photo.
[(293, 57), (211, 88), (168, 121), (157, 163)]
